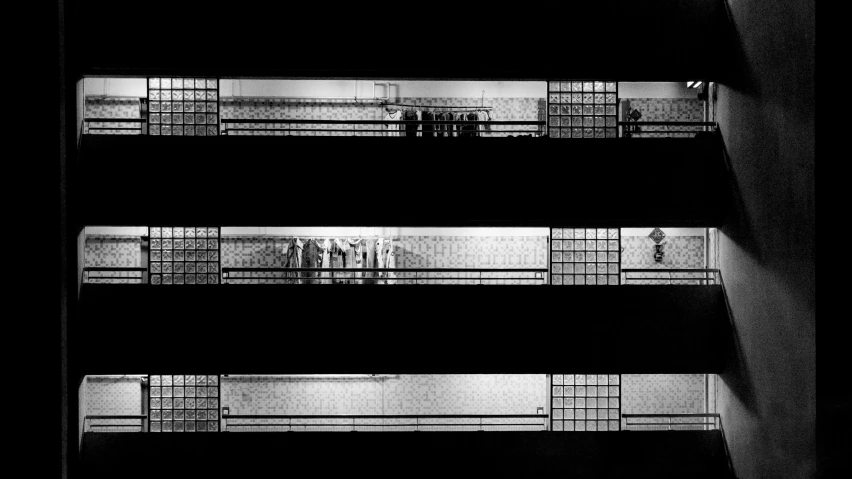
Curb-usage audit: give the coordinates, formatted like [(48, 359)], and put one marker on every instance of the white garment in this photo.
[(326, 260), (393, 130), (380, 261), (419, 125), (356, 244), (390, 262)]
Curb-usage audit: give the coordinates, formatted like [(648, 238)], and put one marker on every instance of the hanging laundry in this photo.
[(311, 258), (395, 115), (390, 261), (380, 260), (355, 261), (293, 254), (410, 128), (428, 130), (450, 129), (370, 261), (340, 248), (326, 246), (441, 129)]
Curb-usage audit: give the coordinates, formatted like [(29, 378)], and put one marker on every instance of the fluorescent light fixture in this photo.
[(689, 84), (693, 84)]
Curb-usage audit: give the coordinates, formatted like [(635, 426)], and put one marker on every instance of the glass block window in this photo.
[(582, 109), (183, 106), (585, 402), (183, 403), (184, 255), (585, 256)]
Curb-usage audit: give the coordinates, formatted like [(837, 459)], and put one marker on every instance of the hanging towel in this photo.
[(293, 259), (393, 130), (390, 262), (326, 246)]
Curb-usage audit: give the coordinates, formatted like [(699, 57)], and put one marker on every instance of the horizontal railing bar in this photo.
[(113, 268), (674, 132), (116, 120), (379, 416), (670, 424), (375, 278), (384, 122), (681, 270), (391, 270), (670, 279), (664, 123), (471, 424), (329, 130), (115, 425), (135, 416), (672, 415)]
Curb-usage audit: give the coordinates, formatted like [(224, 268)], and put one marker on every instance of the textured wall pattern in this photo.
[(680, 252), (112, 108), (663, 394), (521, 109), (415, 252), (113, 397), (585, 402), (667, 109), (407, 394), (112, 251)]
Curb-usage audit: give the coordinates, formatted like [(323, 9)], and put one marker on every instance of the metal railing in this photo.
[(385, 275), (684, 276), (103, 274), (99, 126), (664, 129), (384, 423), (672, 422), (112, 426), (377, 128)]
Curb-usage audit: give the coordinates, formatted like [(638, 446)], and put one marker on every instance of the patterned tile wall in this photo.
[(662, 394), (522, 109), (407, 394), (666, 109), (113, 397), (414, 252), (112, 251), (112, 108), (680, 252)]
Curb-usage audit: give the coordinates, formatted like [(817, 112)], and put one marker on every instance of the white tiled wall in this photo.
[(113, 397), (407, 394), (662, 394)]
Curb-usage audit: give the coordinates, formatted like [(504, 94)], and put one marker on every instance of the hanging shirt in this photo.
[(390, 262), (380, 260), (293, 259), (410, 128), (353, 258), (340, 248), (393, 130), (327, 247), (428, 130), (311, 258)]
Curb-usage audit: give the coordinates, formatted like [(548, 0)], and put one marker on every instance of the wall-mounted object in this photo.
[(657, 235), (659, 253)]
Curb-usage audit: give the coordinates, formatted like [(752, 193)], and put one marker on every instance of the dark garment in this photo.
[(410, 128), (440, 129), (468, 129), (428, 130), (311, 258)]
